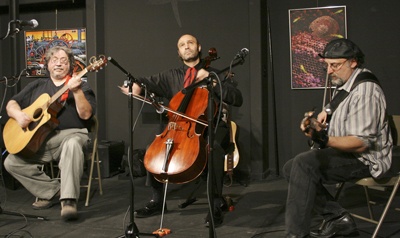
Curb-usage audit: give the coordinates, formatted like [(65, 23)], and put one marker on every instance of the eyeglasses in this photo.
[(61, 60), (334, 66)]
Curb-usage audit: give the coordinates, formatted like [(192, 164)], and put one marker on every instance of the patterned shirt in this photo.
[(363, 114)]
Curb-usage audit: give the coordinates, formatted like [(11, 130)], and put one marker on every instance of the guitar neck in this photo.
[(65, 87)]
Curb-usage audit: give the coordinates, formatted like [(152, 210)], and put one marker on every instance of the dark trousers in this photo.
[(306, 174), (221, 145)]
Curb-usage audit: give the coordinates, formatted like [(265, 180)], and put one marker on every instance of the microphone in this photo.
[(32, 23), (242, 53)]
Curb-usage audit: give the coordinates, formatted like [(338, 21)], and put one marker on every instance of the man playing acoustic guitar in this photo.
[(64, 143), (357, 144)]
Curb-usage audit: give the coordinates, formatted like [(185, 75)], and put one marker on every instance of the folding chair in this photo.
[(370, 182), (93, 156), (90, 154)]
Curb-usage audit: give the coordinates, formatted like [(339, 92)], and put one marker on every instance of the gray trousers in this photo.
[(64, 146)]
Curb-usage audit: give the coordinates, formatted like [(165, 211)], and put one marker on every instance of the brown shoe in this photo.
[(41, 203), (69, 210)]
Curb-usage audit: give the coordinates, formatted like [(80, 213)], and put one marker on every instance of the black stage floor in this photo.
[(258, 212)]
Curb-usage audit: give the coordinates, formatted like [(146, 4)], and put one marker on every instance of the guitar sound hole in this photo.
[(37, 113)]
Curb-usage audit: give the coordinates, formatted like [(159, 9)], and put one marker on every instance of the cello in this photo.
[(178, 154)]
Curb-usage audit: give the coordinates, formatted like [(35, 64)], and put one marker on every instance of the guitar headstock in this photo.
[(96, 64)]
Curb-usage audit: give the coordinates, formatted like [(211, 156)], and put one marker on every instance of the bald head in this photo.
[(189, 49)]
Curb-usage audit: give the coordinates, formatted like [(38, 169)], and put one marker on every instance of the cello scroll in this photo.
[(212, 55)]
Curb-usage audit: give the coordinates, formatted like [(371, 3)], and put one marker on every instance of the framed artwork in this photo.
[(37, 42), (310, 30)]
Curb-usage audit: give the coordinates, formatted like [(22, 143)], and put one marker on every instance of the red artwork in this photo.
[(37, 42), (310, 30)]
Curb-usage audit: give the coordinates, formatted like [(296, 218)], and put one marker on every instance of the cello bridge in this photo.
[(174, 126)]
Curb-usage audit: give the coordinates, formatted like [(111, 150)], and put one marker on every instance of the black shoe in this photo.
[(343, 226), (152, 208), (218, 218)]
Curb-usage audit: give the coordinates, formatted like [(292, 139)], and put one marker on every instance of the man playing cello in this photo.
[(167, 84)]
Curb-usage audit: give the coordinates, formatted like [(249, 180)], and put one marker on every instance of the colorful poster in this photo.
[(310, 30), (37, 42)]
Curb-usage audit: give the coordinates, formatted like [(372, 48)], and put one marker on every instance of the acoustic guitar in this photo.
[(232, 159), (43, 112)]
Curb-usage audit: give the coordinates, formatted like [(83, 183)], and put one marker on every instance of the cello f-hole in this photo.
[(189, 129)]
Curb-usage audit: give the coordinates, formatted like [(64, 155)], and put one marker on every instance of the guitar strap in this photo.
[(64, 96), (342, 94)]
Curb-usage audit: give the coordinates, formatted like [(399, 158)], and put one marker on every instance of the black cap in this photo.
[(342, 48)]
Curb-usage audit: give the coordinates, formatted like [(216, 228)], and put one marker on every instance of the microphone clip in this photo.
[(157, 105)]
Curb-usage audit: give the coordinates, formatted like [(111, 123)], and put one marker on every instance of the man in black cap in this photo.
[(357, 144)]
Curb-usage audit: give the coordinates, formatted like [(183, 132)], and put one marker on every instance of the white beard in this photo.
[(337, 81)]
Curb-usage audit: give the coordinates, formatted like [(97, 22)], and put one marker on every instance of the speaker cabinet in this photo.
[(110, 156)]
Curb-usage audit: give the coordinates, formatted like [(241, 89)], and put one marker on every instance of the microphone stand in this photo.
[(211, 227), (241, 61), (210, 110), (131, 230), (21, 214), (15, 30)]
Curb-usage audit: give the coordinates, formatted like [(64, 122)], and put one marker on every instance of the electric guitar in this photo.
[(43, 112), (310, 123), (315, 129)]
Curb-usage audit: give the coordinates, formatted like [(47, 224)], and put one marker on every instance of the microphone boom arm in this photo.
[(204, 81)]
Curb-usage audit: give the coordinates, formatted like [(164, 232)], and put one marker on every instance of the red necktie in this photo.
[(189, 77)]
